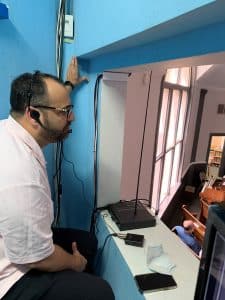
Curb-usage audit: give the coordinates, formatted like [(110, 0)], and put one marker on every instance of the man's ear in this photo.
[(32, 115)]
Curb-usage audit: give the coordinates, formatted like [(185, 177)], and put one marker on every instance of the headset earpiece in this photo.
[(35, 115)]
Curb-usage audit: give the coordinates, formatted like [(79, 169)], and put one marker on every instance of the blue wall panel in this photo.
[(27, 43), (100, 23), (201, 41), (77, 198), (111, 265)]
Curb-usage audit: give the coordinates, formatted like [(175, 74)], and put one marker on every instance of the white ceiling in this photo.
[(214, 77)]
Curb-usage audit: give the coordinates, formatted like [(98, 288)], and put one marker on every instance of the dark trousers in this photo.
[(87, 243), (67, 284)]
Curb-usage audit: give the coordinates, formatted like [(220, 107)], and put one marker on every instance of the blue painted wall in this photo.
[(77, 168), (100, 23), (110, 265), (27, 43)]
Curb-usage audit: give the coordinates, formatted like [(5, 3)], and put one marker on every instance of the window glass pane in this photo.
[(183, 109), (166, 176), (170, 135), (173, 117), (156, 184), (184, 78), (176, 163), (172, 75), (162, 122)]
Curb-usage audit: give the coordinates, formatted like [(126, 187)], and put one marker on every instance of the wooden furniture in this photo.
[(215, 157), (207, 197), (213, 195), (204, 207), (199, 231)]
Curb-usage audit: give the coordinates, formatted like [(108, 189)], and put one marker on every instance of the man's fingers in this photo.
[(74, 61)]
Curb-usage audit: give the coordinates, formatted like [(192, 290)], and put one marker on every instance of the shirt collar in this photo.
[(19, 132)]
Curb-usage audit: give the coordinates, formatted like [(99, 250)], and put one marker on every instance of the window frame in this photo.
[(160, 158)]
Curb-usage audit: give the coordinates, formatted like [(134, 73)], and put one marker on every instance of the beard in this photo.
[(56, 135)]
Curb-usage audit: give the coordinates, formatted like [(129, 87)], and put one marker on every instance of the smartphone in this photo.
[(155, 282)]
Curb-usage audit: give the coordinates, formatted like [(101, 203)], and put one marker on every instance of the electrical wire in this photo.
[(75, 174), (102, 249), (121, 236), (57, 148), (57, 180), (134, 199), (96, 96), (117, 234), (142, 144)]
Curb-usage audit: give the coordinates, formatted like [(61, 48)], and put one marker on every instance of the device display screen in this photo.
[(155, 282)]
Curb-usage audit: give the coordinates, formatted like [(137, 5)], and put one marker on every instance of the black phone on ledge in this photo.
[(155, 282)]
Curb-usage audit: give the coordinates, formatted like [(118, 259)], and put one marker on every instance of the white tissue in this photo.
[(158, 260)]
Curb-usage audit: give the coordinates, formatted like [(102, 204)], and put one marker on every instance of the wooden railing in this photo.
[(199, 227)]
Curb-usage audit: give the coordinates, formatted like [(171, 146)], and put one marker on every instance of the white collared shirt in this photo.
[(26, 210)]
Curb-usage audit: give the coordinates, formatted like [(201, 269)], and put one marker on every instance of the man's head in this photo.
[(41, 104), (188, 226)]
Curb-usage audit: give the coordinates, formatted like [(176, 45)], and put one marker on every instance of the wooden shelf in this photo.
[(215, 157)]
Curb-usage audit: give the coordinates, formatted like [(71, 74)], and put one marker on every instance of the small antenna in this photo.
[(142, 143)]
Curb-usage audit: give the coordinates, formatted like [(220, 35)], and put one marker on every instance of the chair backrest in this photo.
[(199, 228)]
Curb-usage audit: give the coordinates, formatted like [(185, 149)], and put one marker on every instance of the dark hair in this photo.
[(29, 89)]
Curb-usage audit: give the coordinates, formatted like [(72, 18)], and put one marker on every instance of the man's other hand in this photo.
[(80, 261)]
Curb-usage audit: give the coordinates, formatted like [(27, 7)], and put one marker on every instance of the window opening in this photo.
[(170, 135)]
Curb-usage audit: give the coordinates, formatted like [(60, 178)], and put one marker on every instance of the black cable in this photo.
[(96, 96), (58, 153), (75, 174), (130, 200), (58, 185), (56, 161), (142, 147), (102, 249), (117, 72)]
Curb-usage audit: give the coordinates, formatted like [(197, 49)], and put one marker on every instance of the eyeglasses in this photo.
[(65, 110)]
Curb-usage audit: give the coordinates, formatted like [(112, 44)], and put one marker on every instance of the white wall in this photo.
[(111, 134), (123, 109), (213, 81), (211, 121)]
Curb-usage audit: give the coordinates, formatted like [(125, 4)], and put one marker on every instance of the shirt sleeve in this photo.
[(26, 215)]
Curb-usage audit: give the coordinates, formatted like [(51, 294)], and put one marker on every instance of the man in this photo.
[(185, 232), (36, 263)]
